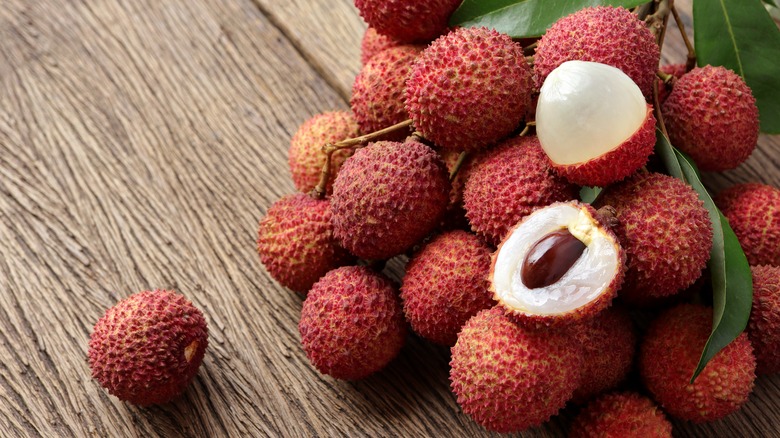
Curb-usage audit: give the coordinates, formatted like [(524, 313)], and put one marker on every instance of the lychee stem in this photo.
[(458, 164), (691, 61), (658, 19), (530, 48), (665, 77), (657, 108)]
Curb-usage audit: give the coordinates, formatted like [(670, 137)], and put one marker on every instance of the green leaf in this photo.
[(589, 195), (740, 35), (524, 18)]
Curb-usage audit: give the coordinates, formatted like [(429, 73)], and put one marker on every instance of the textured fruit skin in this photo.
[(712, 116), (446, 283), (621, 415), (612, 36), (351, 323), (509, 378), (455, 217), (507, 183), (616, 164), (139, 349), (753, 211), (296, 243), (469, 89), (372, 43), (305, 156), (408, 20), (665, 231), (609, 344), (764, 325), (378, 91), (668, 356), (676, 70), (388, 197)]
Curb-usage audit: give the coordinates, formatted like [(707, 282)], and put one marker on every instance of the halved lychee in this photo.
[(560, 264), (594, 124)]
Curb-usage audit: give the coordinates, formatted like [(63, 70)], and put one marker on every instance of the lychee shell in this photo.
[(764, 327), (753, 212), (408, 20), (372, 43), (621, 415)]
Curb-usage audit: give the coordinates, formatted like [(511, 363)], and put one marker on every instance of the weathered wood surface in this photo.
[(140, 142)]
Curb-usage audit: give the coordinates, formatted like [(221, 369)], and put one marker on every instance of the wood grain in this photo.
[(140, 142)]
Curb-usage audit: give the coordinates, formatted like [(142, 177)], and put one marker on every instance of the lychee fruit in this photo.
[(712, 116), (469, 89), (623, 415), (372, 43), (609, 344), (668, 357), (560, 264), (764, 326), (408, 20), (446, 283), (753, 212), (509, 378), (388, 197), (455, 217), (507, 183), (665, 231), (676, 71), (351, 323), (148, 347), (604, 34), (296, 243), (378, 91), (306, 158), (593, 123)]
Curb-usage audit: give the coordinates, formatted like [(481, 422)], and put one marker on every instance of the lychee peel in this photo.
[(408, 20), (753, 212), (296, 243), (469, 89), (669, 354), (676, 70), (446, 283), (764, 326), (372, 43), (148, 347), (509, 378), (622, 414), (351, 323)]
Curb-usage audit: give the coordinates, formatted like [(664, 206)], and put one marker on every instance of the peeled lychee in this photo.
[(469, 89), (665, 231), (351, 323), (446, 283), (408, 20), (668, 357), (372, 43), (378, 92), (148, 347), (604, 34), (507, 183), (388, 197), (509, 378), (621, 415), (764, 327), (296, 243), (306, 158), (593, 123), (712, 116), (753, 211)]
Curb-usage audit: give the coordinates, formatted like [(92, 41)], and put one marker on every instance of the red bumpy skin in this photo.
[(712, 116), (372, 43), (764, 326), (351, 323), (621, 415), (446, 283), (753, 211), (469, 89), (669, 354), (612, 36), (408, 20), (148, 347), (676, 70), (296, 243)]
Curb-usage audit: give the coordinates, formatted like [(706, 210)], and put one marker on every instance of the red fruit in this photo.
[(764, 327), (753, 211), (621, 415), (372, 43), (408, 20)]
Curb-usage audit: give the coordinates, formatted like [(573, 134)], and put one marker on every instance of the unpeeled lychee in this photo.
[(604, 34), (296, 243), (372, 43), (753, 212), (469, 89), (446, 283), (712, 116), (668, 357), (509, 378), (148, 347), (408, 20), (351, 323), (388, 197), (306, 158), (664, 88), (621, 415), (764, 326)]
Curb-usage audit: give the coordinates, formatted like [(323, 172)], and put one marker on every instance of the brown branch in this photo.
[(658, 19), (691, 61), (458, 164)]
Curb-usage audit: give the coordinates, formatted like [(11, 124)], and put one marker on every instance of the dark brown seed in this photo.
[(550, 258)]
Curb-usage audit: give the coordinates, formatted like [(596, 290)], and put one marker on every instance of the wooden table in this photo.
[(140, 143)]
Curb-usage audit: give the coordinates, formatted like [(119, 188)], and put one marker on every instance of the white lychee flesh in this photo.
[(587, 279), (587, 109)]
